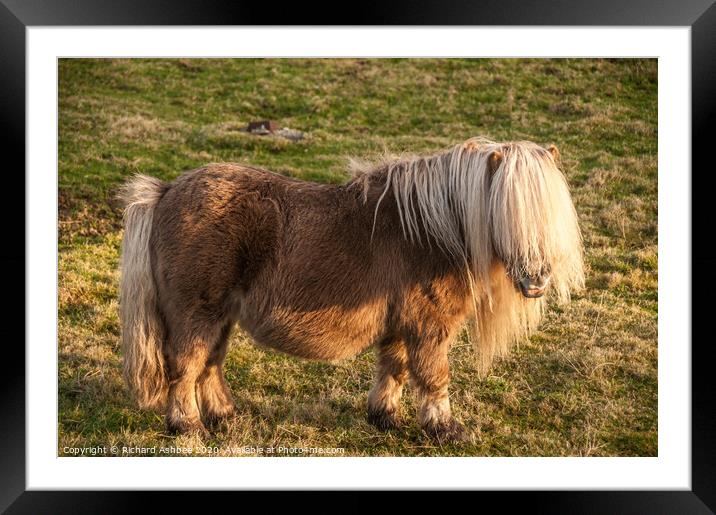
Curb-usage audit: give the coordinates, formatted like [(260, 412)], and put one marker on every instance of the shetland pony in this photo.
[(398, 258)]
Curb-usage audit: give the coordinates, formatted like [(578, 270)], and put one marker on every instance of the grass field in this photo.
[(584, 385)]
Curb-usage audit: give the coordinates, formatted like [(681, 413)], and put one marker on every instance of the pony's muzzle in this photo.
[(533, 287)]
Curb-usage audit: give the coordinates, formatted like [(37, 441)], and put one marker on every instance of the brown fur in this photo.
[(237, 244), (316, 271)]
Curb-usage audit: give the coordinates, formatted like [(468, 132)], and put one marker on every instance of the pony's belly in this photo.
[(331, 334)]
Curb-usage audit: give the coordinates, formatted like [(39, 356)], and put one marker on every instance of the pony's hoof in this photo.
[(451, 431), (215, 419), (186, 427), (384, 420)]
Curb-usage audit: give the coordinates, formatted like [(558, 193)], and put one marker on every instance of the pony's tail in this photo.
[(142, 327)]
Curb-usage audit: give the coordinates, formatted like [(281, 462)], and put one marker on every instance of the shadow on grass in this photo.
[(93, 401)]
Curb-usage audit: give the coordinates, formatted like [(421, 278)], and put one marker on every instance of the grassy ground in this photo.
[(585, 384)]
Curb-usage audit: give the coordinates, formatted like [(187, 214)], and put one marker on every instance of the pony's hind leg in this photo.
[(391, 374), (429, 369), (187, 352), (213, 394)]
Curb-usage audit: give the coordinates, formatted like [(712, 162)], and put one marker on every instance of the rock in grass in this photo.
[(264, 127)]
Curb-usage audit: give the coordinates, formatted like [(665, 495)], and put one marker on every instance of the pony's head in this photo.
[(529, 218)]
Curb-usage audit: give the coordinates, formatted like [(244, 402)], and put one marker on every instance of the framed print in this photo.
[(411, 256)]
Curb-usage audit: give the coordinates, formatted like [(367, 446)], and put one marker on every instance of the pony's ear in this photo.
[(552, 149), (494, 160)]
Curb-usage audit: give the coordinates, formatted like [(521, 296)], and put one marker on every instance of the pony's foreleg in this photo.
[(213, 394), (391, 374), (429, 369)]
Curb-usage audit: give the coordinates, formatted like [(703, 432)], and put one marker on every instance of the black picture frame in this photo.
[(16, 15)]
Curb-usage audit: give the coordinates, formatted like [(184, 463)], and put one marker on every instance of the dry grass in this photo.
[(584, 385)]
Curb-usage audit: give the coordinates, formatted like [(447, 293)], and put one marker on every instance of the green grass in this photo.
[(584, 385)]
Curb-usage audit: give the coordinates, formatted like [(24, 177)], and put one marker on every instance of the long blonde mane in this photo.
[(520, 212)]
